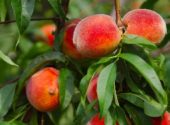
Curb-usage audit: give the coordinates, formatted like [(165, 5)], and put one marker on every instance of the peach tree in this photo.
[(84, 66)]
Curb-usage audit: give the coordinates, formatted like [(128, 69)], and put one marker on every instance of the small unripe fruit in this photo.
[(96, 35), (145, 23), (68, 46), (48, 35), (166, 119), (42, 89), (95, 120)]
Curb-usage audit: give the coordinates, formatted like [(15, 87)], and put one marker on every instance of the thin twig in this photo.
[(32, 19), (117, 10)]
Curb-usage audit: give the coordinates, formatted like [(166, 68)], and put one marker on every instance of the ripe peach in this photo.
[(42, 89), (145, 23), (68, 46), (95, 120), (92, 89), (96, 36), (166, 119), (47, 31)]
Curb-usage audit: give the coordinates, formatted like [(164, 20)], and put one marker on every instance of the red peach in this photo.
[(42, 89), (145, 23), (92, 89), (47, 31), (166, 119), (68, 46), (95, 120), (96, 36)]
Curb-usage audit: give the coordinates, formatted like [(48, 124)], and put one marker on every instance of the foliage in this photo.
[(132, 86)]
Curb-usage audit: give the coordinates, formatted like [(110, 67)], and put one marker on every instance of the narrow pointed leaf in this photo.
[(7, 59), (138, 41), (105, 87), (6, 98), (23, 10), (148, 73), (66, 87)]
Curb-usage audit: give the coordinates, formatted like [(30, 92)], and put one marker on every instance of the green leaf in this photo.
[(12, 123), (34, 118), (7, 59), (108, 119), (121, 116), (3, 10), (66, 87), (35, 65), (6, 98), (139, 41), (150, 106), (106, 87), (149, 4), (56, 5), (148, 73), (23, 10), (138, 117)]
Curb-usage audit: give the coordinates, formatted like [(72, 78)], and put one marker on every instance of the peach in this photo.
[(92, 89), (96, 36), (145, 23), (42, 89), (48, 35), (68, 46), (166, 119), (95, 120)]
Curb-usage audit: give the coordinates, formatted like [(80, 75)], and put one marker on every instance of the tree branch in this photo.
[(32, 19)]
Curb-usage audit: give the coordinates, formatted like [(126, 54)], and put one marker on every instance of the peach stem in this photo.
[(117, 10)]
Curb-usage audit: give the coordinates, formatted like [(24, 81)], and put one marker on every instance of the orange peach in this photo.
[(68, 46), (96, 36), (145, 23), (47, 31), (42, 89)]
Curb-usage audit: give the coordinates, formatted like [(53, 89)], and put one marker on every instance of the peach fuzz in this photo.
[(42, 89), (68, 46), (145, 23), (96, 36), (47, 31)]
